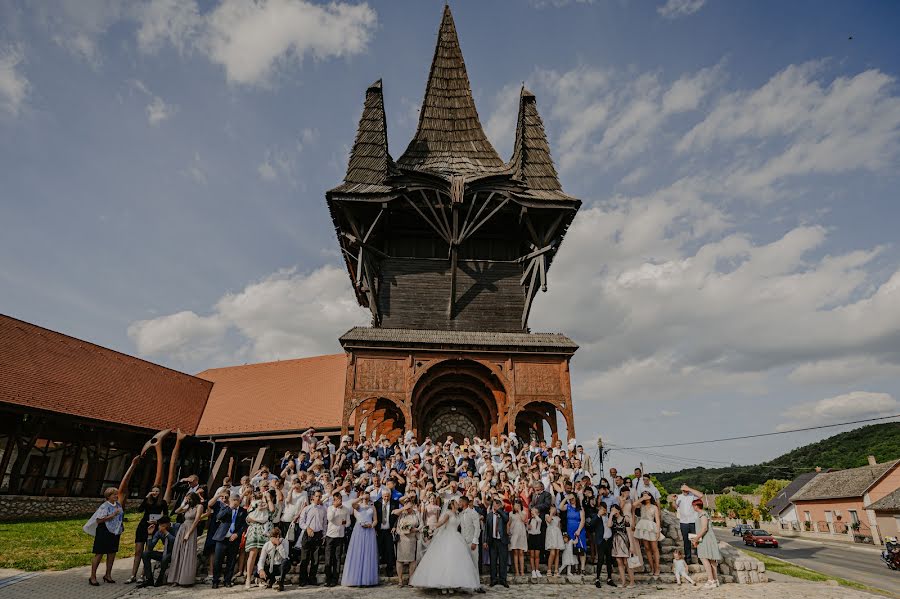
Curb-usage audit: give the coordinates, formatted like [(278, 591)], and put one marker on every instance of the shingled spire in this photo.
[(531, 162), (449, 138), (369, 159)]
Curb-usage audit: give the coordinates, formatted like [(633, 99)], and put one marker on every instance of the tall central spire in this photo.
[(449, 138)]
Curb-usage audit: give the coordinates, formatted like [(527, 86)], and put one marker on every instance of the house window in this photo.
[(807, 517), (854, 517)]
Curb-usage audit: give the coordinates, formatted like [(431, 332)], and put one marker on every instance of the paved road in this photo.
[(858, 565)]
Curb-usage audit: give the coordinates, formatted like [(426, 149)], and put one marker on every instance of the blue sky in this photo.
[(734, 268)]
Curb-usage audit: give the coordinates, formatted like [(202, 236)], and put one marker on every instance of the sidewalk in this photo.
[(67, 584)]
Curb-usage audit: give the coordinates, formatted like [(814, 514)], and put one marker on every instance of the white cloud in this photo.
[(500, 126), (267, 172), (608, 117), (799, 124), (673, 9), (285, 315), (158, 111), (852, 369), (857, 405), (196, 170), (13, 84), (249, 39)]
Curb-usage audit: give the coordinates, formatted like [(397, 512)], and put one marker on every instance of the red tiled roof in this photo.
[(46, 370), (275, 396)]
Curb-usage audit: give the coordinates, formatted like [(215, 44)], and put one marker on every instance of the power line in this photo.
[(796, 430)]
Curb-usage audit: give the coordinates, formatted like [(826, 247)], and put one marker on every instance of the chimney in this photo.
[(818, 469), (872, 461)]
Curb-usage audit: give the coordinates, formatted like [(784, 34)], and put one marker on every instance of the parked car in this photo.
[(759, 538), (740, 529)]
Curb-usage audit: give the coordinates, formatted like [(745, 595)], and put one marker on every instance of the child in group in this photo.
[(553, 542), (680, 568), (535, 544), (568, 554)]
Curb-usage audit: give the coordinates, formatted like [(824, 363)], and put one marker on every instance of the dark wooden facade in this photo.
[(449, 238)]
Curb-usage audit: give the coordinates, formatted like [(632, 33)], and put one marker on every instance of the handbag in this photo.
[(634, 562)]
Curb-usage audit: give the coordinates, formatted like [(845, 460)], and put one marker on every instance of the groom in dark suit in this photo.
[(496, 542), (385, 529)]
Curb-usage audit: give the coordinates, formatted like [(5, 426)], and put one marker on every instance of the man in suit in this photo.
[(540, 502), (470, 527), (387, 525), (496, 541), (232, 524), (164, 533), (603, 541)]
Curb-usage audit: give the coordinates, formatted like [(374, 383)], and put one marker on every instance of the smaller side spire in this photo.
[(369, 160), (531, 162)]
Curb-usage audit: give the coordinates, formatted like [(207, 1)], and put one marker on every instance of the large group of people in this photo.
[(434, 514)]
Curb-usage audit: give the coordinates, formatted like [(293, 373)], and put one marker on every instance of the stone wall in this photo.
[(26, 507)]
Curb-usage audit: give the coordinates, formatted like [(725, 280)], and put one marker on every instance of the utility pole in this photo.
[(600, 454)]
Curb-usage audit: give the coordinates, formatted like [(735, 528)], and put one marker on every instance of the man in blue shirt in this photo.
[(165, 532)]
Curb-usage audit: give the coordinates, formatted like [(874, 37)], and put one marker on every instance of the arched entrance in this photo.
[(530, 419), (457, 399), (380, 416)]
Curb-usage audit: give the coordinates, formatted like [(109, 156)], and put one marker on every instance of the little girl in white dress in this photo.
[(568, 554), (553, 542)]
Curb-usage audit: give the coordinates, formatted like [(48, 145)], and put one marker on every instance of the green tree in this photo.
[(745, 489), (769, 489), (663, 494), (731, 505)]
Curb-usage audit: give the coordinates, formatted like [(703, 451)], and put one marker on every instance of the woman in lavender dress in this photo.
[(361, 567)]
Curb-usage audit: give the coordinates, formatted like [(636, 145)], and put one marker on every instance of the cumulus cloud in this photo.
[(607, 117), (158, 111), (849, 407), (801, 124), (250, 38), (851, 369), (13, 84), (673, 9), (288, 314)]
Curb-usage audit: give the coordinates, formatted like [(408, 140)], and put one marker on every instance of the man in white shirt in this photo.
[(313, 520), (687, 517), (643, 483), (338, 518), (273, 560)]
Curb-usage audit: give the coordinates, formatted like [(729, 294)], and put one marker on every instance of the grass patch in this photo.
[(773, 564), (55, 544)]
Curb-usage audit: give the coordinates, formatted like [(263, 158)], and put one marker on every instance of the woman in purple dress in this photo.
[(361, 567)]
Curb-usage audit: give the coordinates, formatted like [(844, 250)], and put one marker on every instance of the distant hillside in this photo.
[(845, 450)]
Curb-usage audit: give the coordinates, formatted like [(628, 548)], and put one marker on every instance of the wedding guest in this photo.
[(575, 527), (183, 568), (232, 525), (274, 563), (553, 541), (518, 537), (680, 569), (647, 531), (107, 528), (361, 567), (621, 545), (213, 507), (687, 517), (568, 560), (259, 518), (313, 521), (535, 543), (338, 517), (707, 546), (165, 534), (431, 513), (154, 507), (603, 542), (408, 524)]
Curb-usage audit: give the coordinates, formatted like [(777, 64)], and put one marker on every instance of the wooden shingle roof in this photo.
[(370, 161), (531, 162), (852, 482), (449, 138), (42, 369)]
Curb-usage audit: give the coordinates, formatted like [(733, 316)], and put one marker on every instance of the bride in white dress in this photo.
[(447, 563)]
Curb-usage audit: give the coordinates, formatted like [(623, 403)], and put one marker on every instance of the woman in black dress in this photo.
[(154, 508), (106, 526)]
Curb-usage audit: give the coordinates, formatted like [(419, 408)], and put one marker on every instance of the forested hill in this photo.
[(845, 450)]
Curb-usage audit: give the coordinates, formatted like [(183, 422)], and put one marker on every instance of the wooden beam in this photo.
[(426, 219), (437, 220), (543, 271), (529, 297), (465, 232), (487, 218)]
